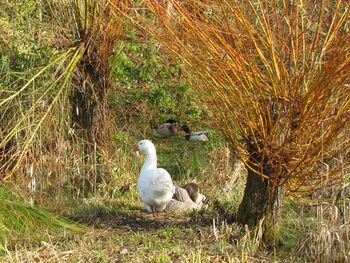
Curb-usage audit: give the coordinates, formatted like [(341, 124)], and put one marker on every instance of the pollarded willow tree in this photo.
[(277, 76), (54, 118)]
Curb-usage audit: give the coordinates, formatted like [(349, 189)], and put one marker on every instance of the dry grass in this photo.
[(329, 230), (166, 239), (316, 228)]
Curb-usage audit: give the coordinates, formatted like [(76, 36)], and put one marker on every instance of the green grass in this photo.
[(19, 222), (185, 160)]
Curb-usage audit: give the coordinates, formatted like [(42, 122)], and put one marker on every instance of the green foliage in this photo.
[(21, 222), (293, 226), (19, 47), (185, 160), (144, 75)]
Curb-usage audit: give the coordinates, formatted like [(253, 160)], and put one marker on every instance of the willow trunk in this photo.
[(262, 202)]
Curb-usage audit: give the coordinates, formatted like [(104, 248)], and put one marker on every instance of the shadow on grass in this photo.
[(137, 220)]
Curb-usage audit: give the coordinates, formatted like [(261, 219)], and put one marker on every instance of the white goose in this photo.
[(155, 186)]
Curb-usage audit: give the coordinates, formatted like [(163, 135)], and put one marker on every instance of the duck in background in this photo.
[(166, 129), (194, 136)]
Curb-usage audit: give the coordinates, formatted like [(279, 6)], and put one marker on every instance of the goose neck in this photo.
[(151, 161)]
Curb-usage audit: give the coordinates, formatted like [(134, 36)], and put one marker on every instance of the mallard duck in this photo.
[(154, 184), (194, 136), (166, 129)]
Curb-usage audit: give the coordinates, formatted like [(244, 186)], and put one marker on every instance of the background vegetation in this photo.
[(80, 83)]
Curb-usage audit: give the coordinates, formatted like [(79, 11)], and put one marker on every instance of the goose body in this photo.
[(155, 185), (166, 129), (194, 136)]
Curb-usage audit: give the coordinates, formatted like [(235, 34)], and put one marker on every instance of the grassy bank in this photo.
[(70, 200)]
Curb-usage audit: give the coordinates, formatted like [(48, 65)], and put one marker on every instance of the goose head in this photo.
[(146, 147)]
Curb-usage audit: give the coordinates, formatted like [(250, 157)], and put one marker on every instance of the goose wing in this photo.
[(162, 182)]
